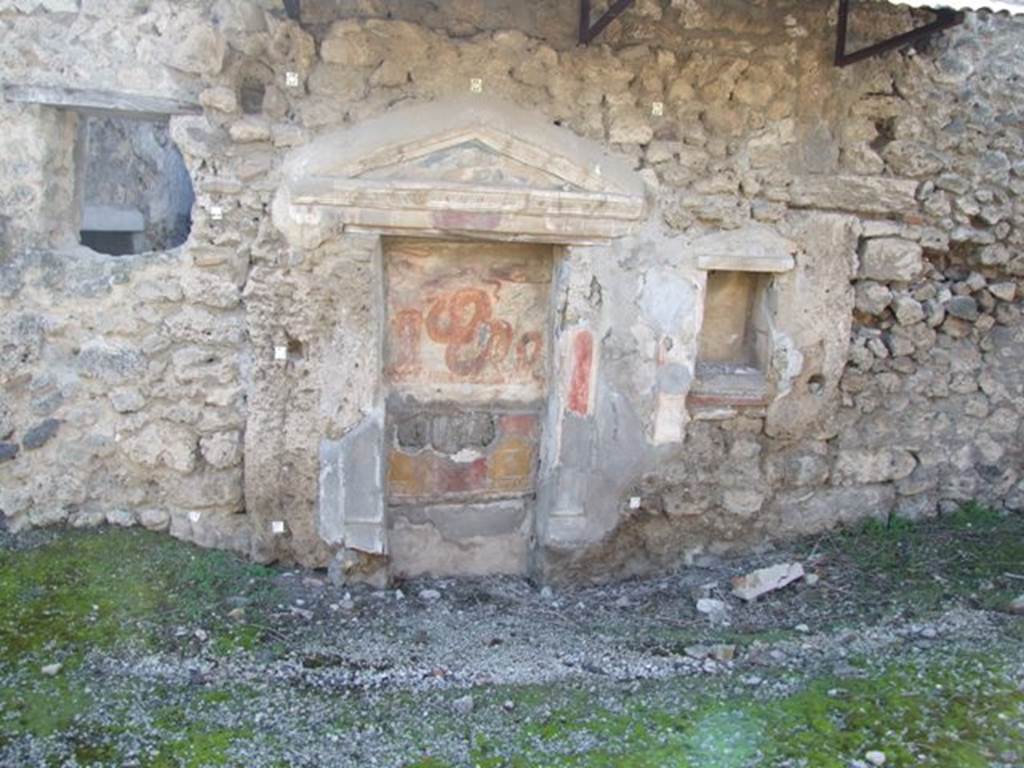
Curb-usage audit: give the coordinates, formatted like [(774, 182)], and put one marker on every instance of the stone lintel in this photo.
[(860, 194), (751, 249), (102, 103)]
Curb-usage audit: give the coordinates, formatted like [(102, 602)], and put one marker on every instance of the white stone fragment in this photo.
[(765, 580)]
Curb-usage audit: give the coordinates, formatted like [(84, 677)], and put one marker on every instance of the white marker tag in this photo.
[(216, 212), (280, 353), (291, 79), (476, 85), (657, 109), (277, 527), (634, 502), (195, 516)]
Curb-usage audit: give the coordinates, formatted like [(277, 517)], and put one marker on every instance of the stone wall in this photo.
[(889, 192)]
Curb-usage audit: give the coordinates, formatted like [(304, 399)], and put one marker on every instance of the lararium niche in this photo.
[(436, 379)]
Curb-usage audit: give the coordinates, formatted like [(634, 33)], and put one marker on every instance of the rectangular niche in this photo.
[(466, 366), (735, 340)]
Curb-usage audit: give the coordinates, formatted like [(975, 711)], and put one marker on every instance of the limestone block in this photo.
[(222, 449), (163, 444), (249, 129), (219, 98), (755, 248), (221, 488), (123, 518), (350, 43), (627, 125), (216, 530), (863, 466), (914, 159), (863, 194), (154, 519), (200, 51), (908, 310), (87, 518), (1006, 291), (872, 298), (742, 503), (803, 512), (891, 259)]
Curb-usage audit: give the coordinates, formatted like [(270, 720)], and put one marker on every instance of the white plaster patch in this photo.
[(667, 300), (467, 456)]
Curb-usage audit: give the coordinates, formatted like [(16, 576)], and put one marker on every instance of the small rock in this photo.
[(963, 307), (875, 757), (908, 311), (312, 583), (201, 635), (122, 518), (803, 629), (929, 633), (399, 594), (546, 593), (715, 610), (464, 705), (697, 651), (976, 281), (764, 580), (7, 452), (237, 614), (622, 602), (40, 434), (1017, 606), (1003, 291), (429, 595), (52, 670), (509, 705), (723, 652), (810, 579), (154, 519)]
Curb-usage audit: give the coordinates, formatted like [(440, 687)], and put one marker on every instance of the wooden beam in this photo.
[(103, 103)]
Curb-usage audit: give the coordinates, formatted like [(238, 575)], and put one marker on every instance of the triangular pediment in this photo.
[(472, 161), (464, 166)]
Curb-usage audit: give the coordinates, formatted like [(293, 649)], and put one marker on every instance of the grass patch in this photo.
[(957, 712), (94, 589), (924, 566)]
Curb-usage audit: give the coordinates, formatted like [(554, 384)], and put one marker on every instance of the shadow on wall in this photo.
[(135, 191)]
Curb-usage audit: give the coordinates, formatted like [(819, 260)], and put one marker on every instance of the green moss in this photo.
[(94, 589), (41, 706), (959, 712), (200, 747)]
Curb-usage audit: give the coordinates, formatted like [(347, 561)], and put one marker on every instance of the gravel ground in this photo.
[(492, 671)]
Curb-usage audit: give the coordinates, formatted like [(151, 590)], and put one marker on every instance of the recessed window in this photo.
[(735, 339), (135, 191)]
